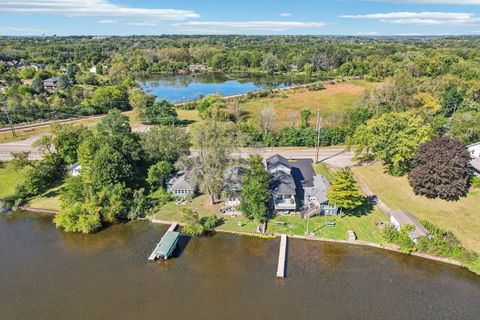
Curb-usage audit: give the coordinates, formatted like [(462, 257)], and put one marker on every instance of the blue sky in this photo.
[(333, 17)]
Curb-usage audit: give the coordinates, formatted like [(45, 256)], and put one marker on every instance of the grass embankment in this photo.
[(9, 179), (331, 101), (461, 217)]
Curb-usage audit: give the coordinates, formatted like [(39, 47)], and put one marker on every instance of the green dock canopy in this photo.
[(167, 245)]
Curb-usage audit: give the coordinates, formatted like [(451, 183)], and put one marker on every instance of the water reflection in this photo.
[(47, 274), (180, 88)]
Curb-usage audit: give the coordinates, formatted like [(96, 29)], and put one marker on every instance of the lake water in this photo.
[(48, 274), (190, 87)]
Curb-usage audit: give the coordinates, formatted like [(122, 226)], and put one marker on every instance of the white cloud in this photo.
[(142, 24), (286, 14), (107, 21), (420, 18), (92, 8), (21, 31), (236, 26)]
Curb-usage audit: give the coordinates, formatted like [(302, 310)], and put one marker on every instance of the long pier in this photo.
[(282, 257), (166, 245)]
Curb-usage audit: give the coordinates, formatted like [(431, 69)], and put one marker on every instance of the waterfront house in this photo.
[(295, 186), (233, 185), (400, 219), (50, 84), (75, 169), (474, 150), (182, 185)]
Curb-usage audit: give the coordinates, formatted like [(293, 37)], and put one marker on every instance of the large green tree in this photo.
[(254, 192), (166, 143), (344, 191), (392, 138)]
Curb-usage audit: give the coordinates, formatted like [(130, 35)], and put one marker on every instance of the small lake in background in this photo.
[(181, 88), (46, 273)]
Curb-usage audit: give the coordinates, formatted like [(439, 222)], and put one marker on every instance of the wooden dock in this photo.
[(166, 245), (282, 257)]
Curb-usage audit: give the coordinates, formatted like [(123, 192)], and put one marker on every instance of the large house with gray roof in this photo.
[(295, 186)]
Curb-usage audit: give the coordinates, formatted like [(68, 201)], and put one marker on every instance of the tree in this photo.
[(269, 63), (344, 192), (213, 107), (392, 138), (451, 100), (80, 217), (20, 160), (106, 98), (108, 168), (44, 143), (63, 83), (166, 143), (465, 126), (213, 141), (162, 113), (114, 130), (254, 192), (140, 103), (192, 223), (158, 174), (267, 119), (139, 205), (305, 115), (67, 139), (43, 175), (440, 169)]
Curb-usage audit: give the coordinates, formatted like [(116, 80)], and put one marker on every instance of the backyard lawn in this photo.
[(333, 100), (365, 226), (461, 217)]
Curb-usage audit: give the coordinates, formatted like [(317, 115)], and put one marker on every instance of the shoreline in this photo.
[(273, 235)]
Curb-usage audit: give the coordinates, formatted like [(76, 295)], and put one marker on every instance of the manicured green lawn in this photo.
[(461, 217), (173, 211), (365, 227), (9, 179)]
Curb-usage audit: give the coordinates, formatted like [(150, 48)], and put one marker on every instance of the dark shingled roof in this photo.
[(233, 179), (283, 183)]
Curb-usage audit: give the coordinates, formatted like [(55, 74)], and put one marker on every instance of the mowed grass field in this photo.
[(331, 101), (461, 217)]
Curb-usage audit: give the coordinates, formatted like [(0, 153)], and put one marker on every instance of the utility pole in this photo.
[(317, 144), (9, 120)]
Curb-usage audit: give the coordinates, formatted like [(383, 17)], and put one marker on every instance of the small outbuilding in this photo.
[(233, 185), (400, 219), (474, 150), (50, 83)]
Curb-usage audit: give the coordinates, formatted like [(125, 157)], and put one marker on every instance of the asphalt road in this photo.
[(333, 156)]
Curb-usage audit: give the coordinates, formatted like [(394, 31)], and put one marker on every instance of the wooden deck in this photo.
[(282, 256)]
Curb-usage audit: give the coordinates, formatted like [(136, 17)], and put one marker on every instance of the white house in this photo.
[(474, 150), (400, 218), (93, 69), (75, 169)]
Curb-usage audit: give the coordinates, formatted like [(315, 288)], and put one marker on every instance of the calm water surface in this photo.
[(187, 88), (47, 274)]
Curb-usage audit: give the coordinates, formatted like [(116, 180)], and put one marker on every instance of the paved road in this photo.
[(333, 156)]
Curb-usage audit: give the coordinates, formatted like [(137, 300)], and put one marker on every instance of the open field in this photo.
[(461, 217), (331, 101)]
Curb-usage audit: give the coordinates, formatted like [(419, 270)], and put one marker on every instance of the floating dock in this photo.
[(167, 244), (282, 257)]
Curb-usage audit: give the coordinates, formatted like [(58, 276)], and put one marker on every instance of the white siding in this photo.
[(475, 150)]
